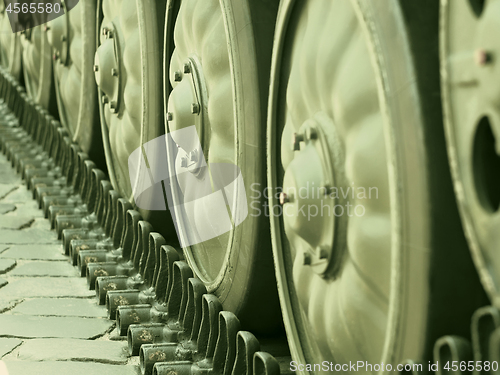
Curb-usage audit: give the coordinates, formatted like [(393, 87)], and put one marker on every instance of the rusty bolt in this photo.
[(482, 57), (178, 76), (187, 68), (296, 139), (170, 116)]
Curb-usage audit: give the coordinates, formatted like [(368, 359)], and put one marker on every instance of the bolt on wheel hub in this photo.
[(187, 107)]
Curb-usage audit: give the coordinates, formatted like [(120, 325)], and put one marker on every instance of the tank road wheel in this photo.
[(355, 200), (72, 38), (470, 68), (37, 66), (10, 47), (218, 77), (127, 71)]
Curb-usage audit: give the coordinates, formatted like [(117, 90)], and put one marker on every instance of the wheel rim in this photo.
[(10, 52), (342, 281), (37, 65), (72, 38), (129, 90), (191, 63), (218, 92), (472, 123)]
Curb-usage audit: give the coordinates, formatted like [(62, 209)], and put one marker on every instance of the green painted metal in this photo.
[(10, 50), (472, 121), (127, 66), (72, 38), (345, 117), (217, 80), (37, 65)]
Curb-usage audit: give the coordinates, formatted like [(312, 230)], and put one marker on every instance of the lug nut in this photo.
[(46, 28), (482, 57), (105, 100), (113, 106), (63, 38), (109, 34), (96, 68), (104, 31), (184, 162), (296, 139), (307, 259), (195, 108), (322, 252), (178, 76), (311, 133), (284, 198), (114, 72), (193, 156), (187, 68), (170, 116)]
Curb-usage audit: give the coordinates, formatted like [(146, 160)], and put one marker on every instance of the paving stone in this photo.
[(9, 176), (73, 368), (29, 208), (31, 326), (34, 252), (46, 287), (15, 222), (41, 268), (27, 236), (19, 195), (74, 350), (6, 265), (61, 307), (6, 207), (6, 189), (7, 345)]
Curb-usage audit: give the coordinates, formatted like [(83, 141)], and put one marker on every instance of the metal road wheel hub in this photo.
[(314, 224), (187, 106), (107, 68)]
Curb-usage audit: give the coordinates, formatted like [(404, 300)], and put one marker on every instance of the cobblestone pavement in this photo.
[(50, 322)]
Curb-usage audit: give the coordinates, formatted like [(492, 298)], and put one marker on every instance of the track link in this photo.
[(170, 320)]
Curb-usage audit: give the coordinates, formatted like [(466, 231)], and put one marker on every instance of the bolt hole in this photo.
[(486, 166), (477, 6)]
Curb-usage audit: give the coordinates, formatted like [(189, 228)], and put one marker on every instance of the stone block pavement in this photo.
[(50, 322)]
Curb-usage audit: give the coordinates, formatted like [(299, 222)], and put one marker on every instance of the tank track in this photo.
[(171, 321)]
